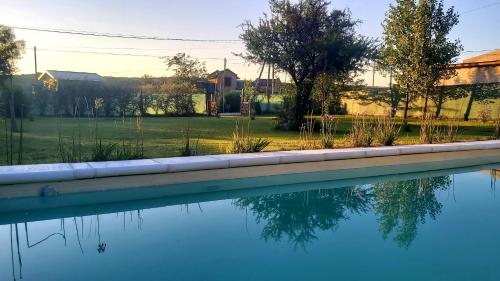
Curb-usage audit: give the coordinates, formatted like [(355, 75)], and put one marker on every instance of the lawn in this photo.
[(163, 136)]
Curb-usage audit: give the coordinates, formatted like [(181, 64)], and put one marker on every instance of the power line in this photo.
[(130, 54), (480, 8), (140, 49), (99, 53), (122, 36)]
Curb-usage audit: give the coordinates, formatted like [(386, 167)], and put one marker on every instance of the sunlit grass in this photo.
[(163, 136)]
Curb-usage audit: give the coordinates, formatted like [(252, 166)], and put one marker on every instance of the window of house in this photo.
[(227, 81)]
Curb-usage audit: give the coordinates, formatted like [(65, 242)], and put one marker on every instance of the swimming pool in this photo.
[(441, 225)]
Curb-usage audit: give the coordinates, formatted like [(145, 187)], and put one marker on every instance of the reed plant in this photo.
[(7, 142), (496, 131), (328, 130), (188, 149), (243, 142), (307, 140), (387, 130), (451, 132), (11, 147), (362, 132), (103, 152), (100, 150), (430, 132)]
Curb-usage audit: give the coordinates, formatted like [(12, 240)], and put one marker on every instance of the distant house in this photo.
[(224, 81), (52, 78), (266, 86), (483, 69)]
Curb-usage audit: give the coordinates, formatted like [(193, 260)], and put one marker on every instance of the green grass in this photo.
[(163, 136)]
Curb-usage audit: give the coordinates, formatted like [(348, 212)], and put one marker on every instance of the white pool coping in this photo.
[(36, 173)]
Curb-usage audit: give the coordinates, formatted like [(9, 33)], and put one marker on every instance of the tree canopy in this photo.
[(10, 51), (183, 84), (416, 45), (306, 39)]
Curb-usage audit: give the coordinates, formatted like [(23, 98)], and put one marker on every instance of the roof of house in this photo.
[(72, 76), (481, 69), (216, 73), (491, 59), (267, 81), (491, 56)]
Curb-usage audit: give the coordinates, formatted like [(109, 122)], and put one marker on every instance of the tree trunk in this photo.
[(407, 105), (439, 105), (141, 103), (469, 104), (302, 101), (12, 108), (425, 104)]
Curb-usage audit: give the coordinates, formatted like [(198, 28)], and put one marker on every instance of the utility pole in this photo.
[(257, 82), (36, 66), (272, 81), (393, 106), (36, 73), (223, 84), (268, 96), (373, 76)]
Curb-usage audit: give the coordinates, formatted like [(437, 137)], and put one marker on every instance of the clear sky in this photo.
[(479, 29)]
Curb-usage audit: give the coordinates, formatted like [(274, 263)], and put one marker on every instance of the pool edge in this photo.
[(343, 168)]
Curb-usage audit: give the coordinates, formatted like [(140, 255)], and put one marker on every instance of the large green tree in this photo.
[(306, 39), (179, 88), (417, 48), (10, 51)]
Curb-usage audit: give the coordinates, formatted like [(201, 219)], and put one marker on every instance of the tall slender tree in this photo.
[(398, 47), (10, 51), (434, 52), (417, 48)]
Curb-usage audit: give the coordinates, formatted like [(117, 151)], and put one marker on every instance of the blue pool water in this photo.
[(426, 226)]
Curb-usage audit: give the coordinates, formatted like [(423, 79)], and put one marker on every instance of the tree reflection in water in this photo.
[(299, 215), (400, 206)]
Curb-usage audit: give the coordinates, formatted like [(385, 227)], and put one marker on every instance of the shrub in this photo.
[(484, 114), (362, 132), (387, 131), (244, 142), (127, 152), (232, 102), (71, 153), (258, 108), (285, 120), (429, 131), (180, 104), (103, 152), (328, 130)]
